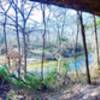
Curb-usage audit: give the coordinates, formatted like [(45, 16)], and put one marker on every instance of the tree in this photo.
[(20, 21), (21, 10), (76, 44), (96, 39), (85, 47), (4, 27), (18, 39), (60, 22), (43, 40)]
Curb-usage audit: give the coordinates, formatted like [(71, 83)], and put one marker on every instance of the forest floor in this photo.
[(72, 91), (79, 91), (76, 91)]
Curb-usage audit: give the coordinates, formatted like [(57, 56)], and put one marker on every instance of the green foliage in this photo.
[(27, 81), (98, 22), (89, 26), (65, 68), (50, 79), (4, 73), (18, 83), (32, 80)]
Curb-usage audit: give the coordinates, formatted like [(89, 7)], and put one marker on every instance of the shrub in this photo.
[(4, 75), (50, 79)]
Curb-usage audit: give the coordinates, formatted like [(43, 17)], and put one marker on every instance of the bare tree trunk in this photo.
[(96, 39), (60, 32), (85, 47), (21, 11), (24, 36), (43, 37), (4, 30), (58, 53), (18, 40), (75, 56), (25, 50), (43, 54), (5, 37)]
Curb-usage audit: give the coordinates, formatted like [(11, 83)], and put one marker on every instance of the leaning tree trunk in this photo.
[(96, 39), (85, 47)]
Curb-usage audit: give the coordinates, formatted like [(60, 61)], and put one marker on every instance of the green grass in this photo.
[(52, 64)]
